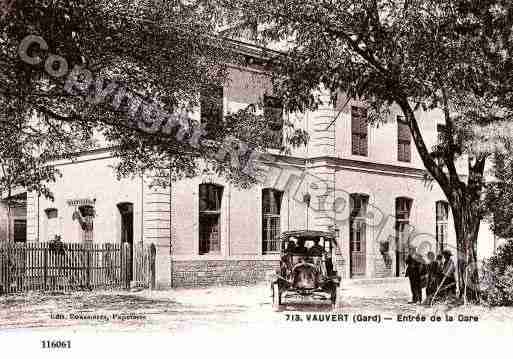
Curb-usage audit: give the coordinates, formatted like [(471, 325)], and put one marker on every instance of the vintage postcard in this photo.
[(226, 177)]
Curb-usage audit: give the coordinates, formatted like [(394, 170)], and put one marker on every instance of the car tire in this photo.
[(276, 297)]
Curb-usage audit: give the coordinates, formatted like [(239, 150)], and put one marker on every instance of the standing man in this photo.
[(414, 271)]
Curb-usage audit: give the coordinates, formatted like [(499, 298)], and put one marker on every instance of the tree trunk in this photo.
[(466, 224)]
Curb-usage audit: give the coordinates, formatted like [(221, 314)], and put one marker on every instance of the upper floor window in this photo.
[(403, 140), (211, 107), (210, 197), (273, 113), (359, 138), (442, 217), (271, 207)]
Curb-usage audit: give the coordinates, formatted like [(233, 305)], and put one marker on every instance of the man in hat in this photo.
[(414, 271)]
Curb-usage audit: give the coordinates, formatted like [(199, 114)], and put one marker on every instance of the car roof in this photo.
[(307, 234)]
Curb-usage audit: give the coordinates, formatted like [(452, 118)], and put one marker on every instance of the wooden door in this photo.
[(357, 248)]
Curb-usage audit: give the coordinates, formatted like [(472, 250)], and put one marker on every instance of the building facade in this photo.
[(365, 182)]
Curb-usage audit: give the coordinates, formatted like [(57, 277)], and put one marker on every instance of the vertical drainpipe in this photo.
[(142, 209), (228, 224), (37, 217), (170, 228)]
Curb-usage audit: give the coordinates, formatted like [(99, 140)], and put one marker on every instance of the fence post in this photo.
[(88, 266), (45, 267), (127, 263), (152, 255)]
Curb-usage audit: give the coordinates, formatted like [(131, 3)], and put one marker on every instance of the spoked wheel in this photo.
[(276, 297)]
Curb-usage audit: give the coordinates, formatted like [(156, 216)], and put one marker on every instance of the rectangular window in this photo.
[(273, 113), (211, 107), (210, 197), (402, 223), (359, 138), (442, 216), (403, 141), (440, 130), (271, 227), (358, 214)]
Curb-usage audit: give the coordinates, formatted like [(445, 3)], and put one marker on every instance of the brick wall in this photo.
[(202, 273)]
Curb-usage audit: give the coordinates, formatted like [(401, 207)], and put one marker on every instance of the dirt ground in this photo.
[(219, 307)]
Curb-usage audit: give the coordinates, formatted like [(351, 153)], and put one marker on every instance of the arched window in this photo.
[(402, 222), (357, 233), (210, 197), (271, 204), (442, 216), (52, 224), (85, 217)]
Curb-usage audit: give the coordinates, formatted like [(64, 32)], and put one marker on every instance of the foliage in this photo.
[(165, 52), (497, 277), (499, 196), (419, 55)]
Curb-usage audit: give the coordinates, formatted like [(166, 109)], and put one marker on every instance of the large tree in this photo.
[(417, 54), (162, 54)]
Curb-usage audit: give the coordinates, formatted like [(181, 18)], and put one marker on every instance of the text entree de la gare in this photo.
[(323, 317)]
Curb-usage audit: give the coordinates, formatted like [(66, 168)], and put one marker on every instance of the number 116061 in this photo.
[(56, 344)]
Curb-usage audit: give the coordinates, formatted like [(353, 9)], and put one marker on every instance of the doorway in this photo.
[(357, 235), (402, 236), (126, 210)]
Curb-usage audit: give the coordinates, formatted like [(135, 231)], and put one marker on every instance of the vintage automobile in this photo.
[(306, 268)]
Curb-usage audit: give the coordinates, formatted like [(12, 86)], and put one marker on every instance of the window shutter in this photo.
[(355, 120), (358, 120), (403, 132), (211, 105), (404, 140), (363, 121), (363, 145), (355, 142), (273, 113)]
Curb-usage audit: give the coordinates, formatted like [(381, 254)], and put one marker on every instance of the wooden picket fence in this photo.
[(73, 266), (144, 265)]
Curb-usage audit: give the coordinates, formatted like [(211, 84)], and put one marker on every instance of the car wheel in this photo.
[(276, 297)]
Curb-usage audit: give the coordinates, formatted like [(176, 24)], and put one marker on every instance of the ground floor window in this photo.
[(402, 225), (442, 215), (210, 197), (271, 226), (20, 230), (85, 216)]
